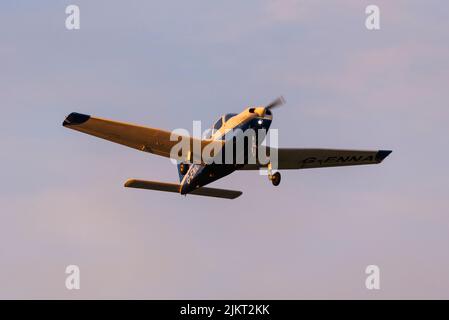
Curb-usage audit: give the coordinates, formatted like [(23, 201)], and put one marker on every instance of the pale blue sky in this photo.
[(166, 64)]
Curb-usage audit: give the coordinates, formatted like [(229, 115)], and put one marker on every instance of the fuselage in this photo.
[(226, 127)]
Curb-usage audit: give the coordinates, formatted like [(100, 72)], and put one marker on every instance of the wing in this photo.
[(296, 158), (146, 139)]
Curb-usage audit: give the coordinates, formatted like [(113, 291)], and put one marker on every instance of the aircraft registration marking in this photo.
[(311, 160)]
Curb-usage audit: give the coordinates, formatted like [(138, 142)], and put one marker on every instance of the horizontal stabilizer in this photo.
[(153, 185), (217, 193), (174, 187)]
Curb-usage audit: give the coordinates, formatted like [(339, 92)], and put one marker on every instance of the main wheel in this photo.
[(183, 168), (276, 179)]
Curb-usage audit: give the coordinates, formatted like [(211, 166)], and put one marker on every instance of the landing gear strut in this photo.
[(275, 178)]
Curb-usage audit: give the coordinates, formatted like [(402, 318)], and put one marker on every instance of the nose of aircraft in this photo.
[(260, 111)]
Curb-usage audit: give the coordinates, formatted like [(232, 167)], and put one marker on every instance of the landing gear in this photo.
[(183, 168), (276, 179)]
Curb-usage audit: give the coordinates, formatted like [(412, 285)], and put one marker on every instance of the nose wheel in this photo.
[(275, 179)]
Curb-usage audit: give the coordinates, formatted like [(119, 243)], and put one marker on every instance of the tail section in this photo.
[(174, 187), (153, 185)]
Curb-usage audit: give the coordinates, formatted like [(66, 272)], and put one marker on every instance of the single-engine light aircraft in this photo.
[(196, 171)]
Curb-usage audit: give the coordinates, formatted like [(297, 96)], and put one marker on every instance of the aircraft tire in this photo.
[(276, 179)]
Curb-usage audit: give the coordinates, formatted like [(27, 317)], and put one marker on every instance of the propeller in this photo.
[(276, 103), (266, 110)]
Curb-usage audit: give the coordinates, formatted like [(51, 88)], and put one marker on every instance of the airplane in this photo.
[(195, 175)]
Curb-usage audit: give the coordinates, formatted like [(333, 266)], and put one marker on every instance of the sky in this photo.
[(165, 64)]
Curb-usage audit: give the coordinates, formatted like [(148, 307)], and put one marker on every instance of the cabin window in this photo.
[(229, 116), (218, 124)]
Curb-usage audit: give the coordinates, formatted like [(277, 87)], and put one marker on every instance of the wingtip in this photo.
[(238, 195), (129, 183), (382, 154), (75, 119)]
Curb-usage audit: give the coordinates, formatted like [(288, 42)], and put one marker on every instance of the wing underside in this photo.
[(142, 138), (161, 142), (297, 158)]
